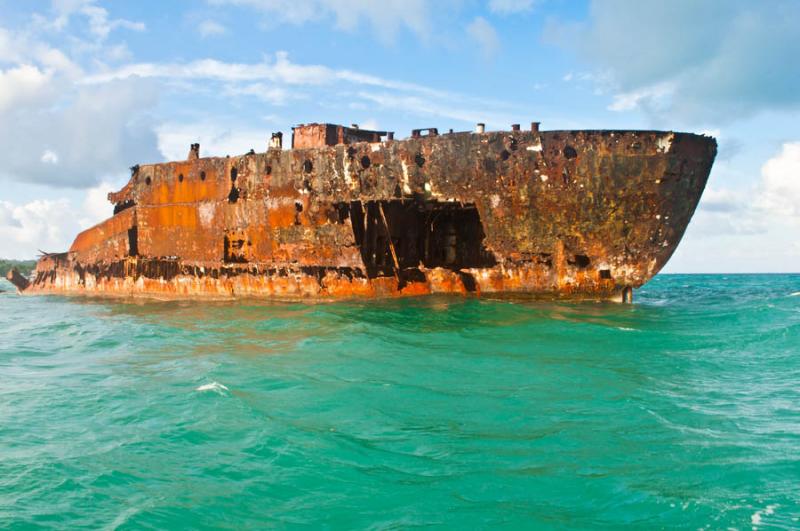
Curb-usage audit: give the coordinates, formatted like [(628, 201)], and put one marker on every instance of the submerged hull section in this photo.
[(559, 213)]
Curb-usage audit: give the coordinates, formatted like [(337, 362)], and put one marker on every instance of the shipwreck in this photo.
[(348, 212)]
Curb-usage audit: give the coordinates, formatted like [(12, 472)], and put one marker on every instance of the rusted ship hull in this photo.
[(587, 214)]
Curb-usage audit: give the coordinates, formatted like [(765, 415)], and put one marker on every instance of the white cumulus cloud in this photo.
[(779, 192), (22, 85), (51, 225), (747, 230), (96, 206), (54, 128), (37, 225)]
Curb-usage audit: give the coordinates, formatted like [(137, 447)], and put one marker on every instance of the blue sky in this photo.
[(89, 88)]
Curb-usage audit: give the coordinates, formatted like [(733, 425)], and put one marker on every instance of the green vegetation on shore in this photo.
[(25, 266)]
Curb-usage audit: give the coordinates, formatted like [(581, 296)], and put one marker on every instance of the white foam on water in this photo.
[(795, 294), (213, 386), (626, 329), (755, 519)]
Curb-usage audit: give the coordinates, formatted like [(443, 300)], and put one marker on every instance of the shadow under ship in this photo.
[(350, 212)]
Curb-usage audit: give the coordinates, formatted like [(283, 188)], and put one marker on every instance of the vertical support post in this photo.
[(391, 243), (627, 295)]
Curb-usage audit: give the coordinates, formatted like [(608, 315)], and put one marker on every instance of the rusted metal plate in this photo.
[(573, 213)]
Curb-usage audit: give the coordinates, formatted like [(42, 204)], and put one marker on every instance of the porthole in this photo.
[(365, 162)]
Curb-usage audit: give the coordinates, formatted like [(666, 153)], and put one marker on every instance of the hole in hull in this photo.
[(125, 205), (580, 260), (469, 281), (133, 241), (398, 236), (233, 250)]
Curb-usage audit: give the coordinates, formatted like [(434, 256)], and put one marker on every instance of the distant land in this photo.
[(25, 266)]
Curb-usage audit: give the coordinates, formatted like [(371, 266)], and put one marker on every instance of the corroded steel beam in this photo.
[(16, 278)]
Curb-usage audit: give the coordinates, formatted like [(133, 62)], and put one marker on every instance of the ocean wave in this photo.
[(123, 517), (213, 386), (795, 294)]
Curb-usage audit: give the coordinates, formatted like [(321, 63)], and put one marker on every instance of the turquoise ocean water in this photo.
[(682, 410)]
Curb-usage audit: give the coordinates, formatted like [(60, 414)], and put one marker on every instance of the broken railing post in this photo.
[(276, 142), (194, 152)]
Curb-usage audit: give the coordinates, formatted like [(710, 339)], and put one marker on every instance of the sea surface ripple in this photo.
[(682, 410)]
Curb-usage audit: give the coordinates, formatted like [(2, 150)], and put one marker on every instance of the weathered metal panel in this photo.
[(107, 240)]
